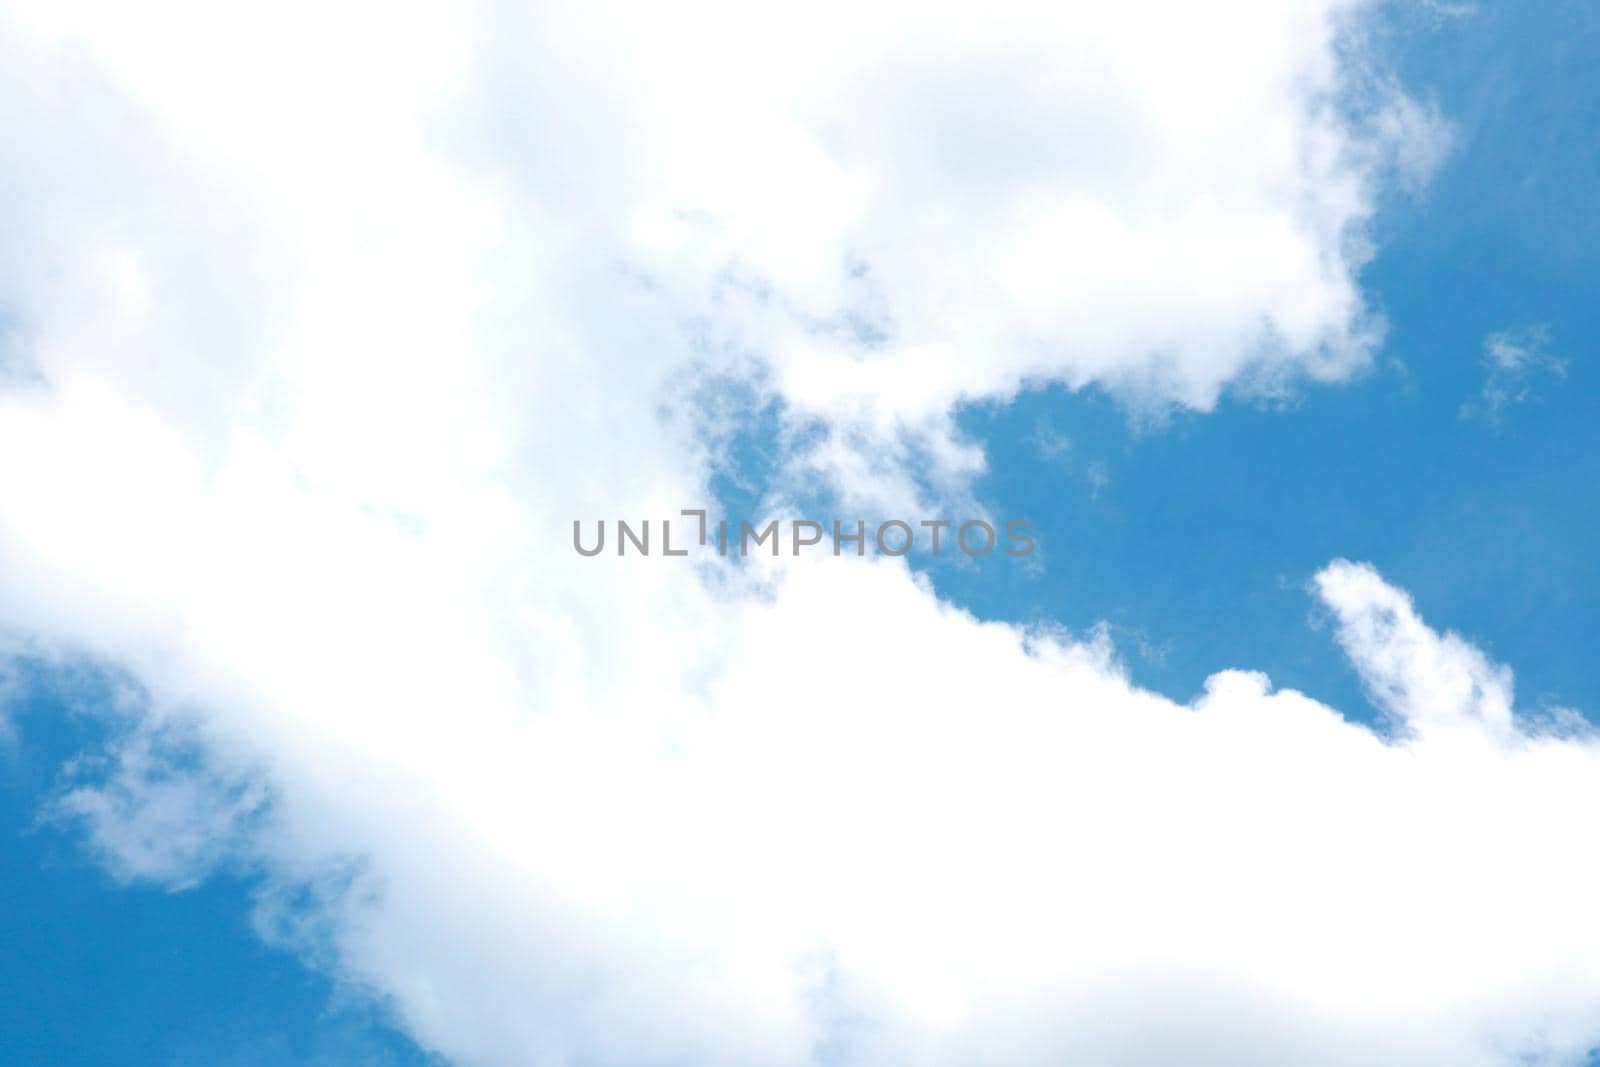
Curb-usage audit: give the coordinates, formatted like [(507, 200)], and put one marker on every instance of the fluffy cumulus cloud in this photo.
[(321, 325)]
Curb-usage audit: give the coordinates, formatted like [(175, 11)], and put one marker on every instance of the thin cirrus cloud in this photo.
[(323, 335), (1515, 363)]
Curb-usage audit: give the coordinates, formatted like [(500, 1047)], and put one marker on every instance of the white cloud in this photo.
[(1514, 362), (330, 344), (159, 813), (879, 212), (963, 837), (1425, 682)]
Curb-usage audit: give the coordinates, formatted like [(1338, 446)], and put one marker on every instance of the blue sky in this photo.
[(1194, 535)]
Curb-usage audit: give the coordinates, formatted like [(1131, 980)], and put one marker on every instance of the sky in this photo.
[(320, 745)]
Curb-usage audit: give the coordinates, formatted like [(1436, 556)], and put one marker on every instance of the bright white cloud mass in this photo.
[(322, 325)]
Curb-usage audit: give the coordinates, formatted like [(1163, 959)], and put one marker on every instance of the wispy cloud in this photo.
[(1516, 362)]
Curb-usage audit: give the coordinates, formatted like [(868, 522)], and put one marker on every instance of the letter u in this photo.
[(577, 542)]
